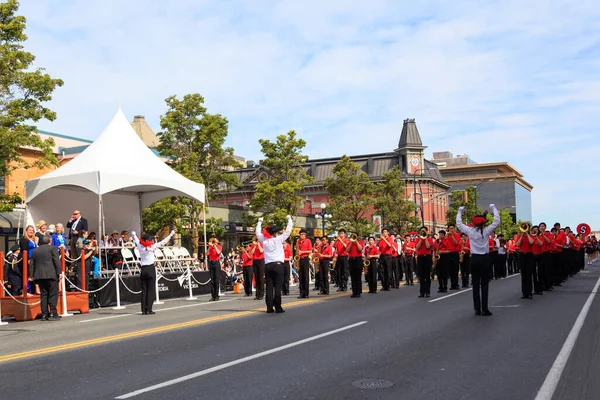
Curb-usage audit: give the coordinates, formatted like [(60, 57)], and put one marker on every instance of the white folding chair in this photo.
[(161, 263), (129, 261)]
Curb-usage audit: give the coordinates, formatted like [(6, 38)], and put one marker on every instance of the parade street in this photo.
[(389, 345)]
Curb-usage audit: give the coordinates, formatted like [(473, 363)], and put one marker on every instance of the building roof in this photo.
[(410, 135), (473, 172), (143, 130)]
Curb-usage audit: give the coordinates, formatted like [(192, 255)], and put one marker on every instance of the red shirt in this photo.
[(409, 247), (560, 241), (257, 254), (394, 249), (340, 248), (423, 250), (246, 260), (354, 252), (371, 250), (537, 248), (466, 246), (384, 246), (213, 255), (548, 246), (444, 245), (304, 245), (525, 246), (287, 251), (326, 250), (451, 246), (492, 244), (572, 241)]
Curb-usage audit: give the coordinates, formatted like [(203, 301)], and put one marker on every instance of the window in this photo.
[(2, 188)]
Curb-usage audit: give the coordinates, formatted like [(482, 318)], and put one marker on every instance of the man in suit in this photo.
[(75, 225), (45, 273)]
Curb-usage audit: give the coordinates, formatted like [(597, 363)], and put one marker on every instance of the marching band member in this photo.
[(512, 255), (316, 250), (480, 259), (304, 250), (547, 257), (465, 260), (424, 247), (501, 255), (493, 246), (571, 255), (258, 265), (340, 245), (560, 261), (247, 269), (385, 259), (442, 264), (454, 244), (409, 258), (396, 271), (354, 249), (538, 269), (371, 256), (325, 256), (274, 257), (287, 259), (400, 259), (526, 263), (214, 267)]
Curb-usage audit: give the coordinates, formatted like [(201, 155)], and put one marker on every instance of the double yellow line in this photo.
[(150, 331)]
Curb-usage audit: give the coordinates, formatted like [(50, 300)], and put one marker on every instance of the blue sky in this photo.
[(500, 81)]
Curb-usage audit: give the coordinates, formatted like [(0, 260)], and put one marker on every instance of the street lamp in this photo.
[(477, 187), (323, 215)]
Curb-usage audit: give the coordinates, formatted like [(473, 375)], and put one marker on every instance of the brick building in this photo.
[(424, 183)]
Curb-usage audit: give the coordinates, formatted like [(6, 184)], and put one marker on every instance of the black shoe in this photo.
[(421, 296), (44, 318), (386, 290), (477, 312), (524, 297), (440, 290), (406, 284), (271, 311), (144, 312), (279, 311), (151, 313), (530, 297), (54, 317), (487, 313), (539, 293), (353, 296), (339, 290), (213, 299), (427, 295)]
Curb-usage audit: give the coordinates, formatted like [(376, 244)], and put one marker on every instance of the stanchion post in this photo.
[(190, 284), (83, 275), (65, 313), (156, 288), (2, 280), (119, 306), (25, 273)]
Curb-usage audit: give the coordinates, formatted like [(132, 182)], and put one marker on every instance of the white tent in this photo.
[(111, 181)]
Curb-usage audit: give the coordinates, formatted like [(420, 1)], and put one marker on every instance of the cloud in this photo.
[(503, 81)]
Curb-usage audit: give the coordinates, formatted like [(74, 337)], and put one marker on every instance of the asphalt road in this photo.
[(418, 348)]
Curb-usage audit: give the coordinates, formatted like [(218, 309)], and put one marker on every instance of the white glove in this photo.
[(133, 233), (288, 217), (260, 220), (172, 233), (462, 208), (492, 206)]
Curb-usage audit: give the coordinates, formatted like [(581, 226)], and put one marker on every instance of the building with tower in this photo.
[(424, 182)]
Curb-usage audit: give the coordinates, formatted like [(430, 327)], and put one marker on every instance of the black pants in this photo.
[(148, 282), (500, 265), (511, 258), (324, 273), (372, 276), (286, 278), (341, 267), (465, 270), (248, 271), (547, 260), (526, 265), (259, 276), (214, 268), (559, 267), (48, 296), (480, 273), (538, 273), (493, 263), (396, 272), (441, 270), (304, 277), (424, 266), (356, 264), (317, 275), (453, 269), (386, 264), (409, 268), (274, 277)]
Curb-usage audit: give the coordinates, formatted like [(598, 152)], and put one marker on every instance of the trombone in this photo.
[(524, 227), (212, 241), (353, 237)]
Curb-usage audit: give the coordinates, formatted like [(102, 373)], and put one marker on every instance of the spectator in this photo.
[(76, 224), (12, 272), (41, 229), (45, 271), (59, 240)]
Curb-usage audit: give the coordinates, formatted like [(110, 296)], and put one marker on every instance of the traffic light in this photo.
[(465, 197)]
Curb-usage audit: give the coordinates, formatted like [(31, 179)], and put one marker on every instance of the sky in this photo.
[(506, 80)]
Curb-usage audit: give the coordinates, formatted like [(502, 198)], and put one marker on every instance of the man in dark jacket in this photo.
[(46, 270)]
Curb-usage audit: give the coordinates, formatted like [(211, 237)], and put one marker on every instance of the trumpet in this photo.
[(238, 248), (525, 227), (254, 240), (423, 234), (212, 241), (353, 237)]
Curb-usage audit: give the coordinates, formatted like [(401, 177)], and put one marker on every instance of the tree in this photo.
[(398, 211), (193, 141), (352, 197), (507, 226), (277, 196), (23, 91), (456, 201)]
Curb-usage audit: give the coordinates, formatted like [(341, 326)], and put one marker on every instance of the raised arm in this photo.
[(459, 224), (258, 231), (288, 230)]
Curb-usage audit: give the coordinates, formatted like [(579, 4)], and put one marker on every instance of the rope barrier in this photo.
[(13, 262), (165, 278), (20, 302), (126, 287), (90, 291), (200, 283), (72, 260)]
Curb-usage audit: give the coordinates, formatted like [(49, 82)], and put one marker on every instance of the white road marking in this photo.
[(158, 310), (461, 292), (551, 382), (236, 362), (510, 306)]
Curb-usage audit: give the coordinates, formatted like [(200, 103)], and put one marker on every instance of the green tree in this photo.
[(352, 197), (456, 201), (194, 142), (23, 91), (278, 195), (399, 212), (507, 226)]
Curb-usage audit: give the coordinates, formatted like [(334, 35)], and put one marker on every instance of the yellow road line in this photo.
[(145, 332)]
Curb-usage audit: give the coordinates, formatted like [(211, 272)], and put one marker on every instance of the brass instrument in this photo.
[(254, 240), (212, 241), (297, 256), (524, 227), (461, 257), (238, 248), (423, 235), (353, 237), (436, 258), (366, 259), (334, 262), (316, 259)]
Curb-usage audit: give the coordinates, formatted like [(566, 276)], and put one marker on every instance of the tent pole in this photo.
[(140, 211), (204, 225)]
